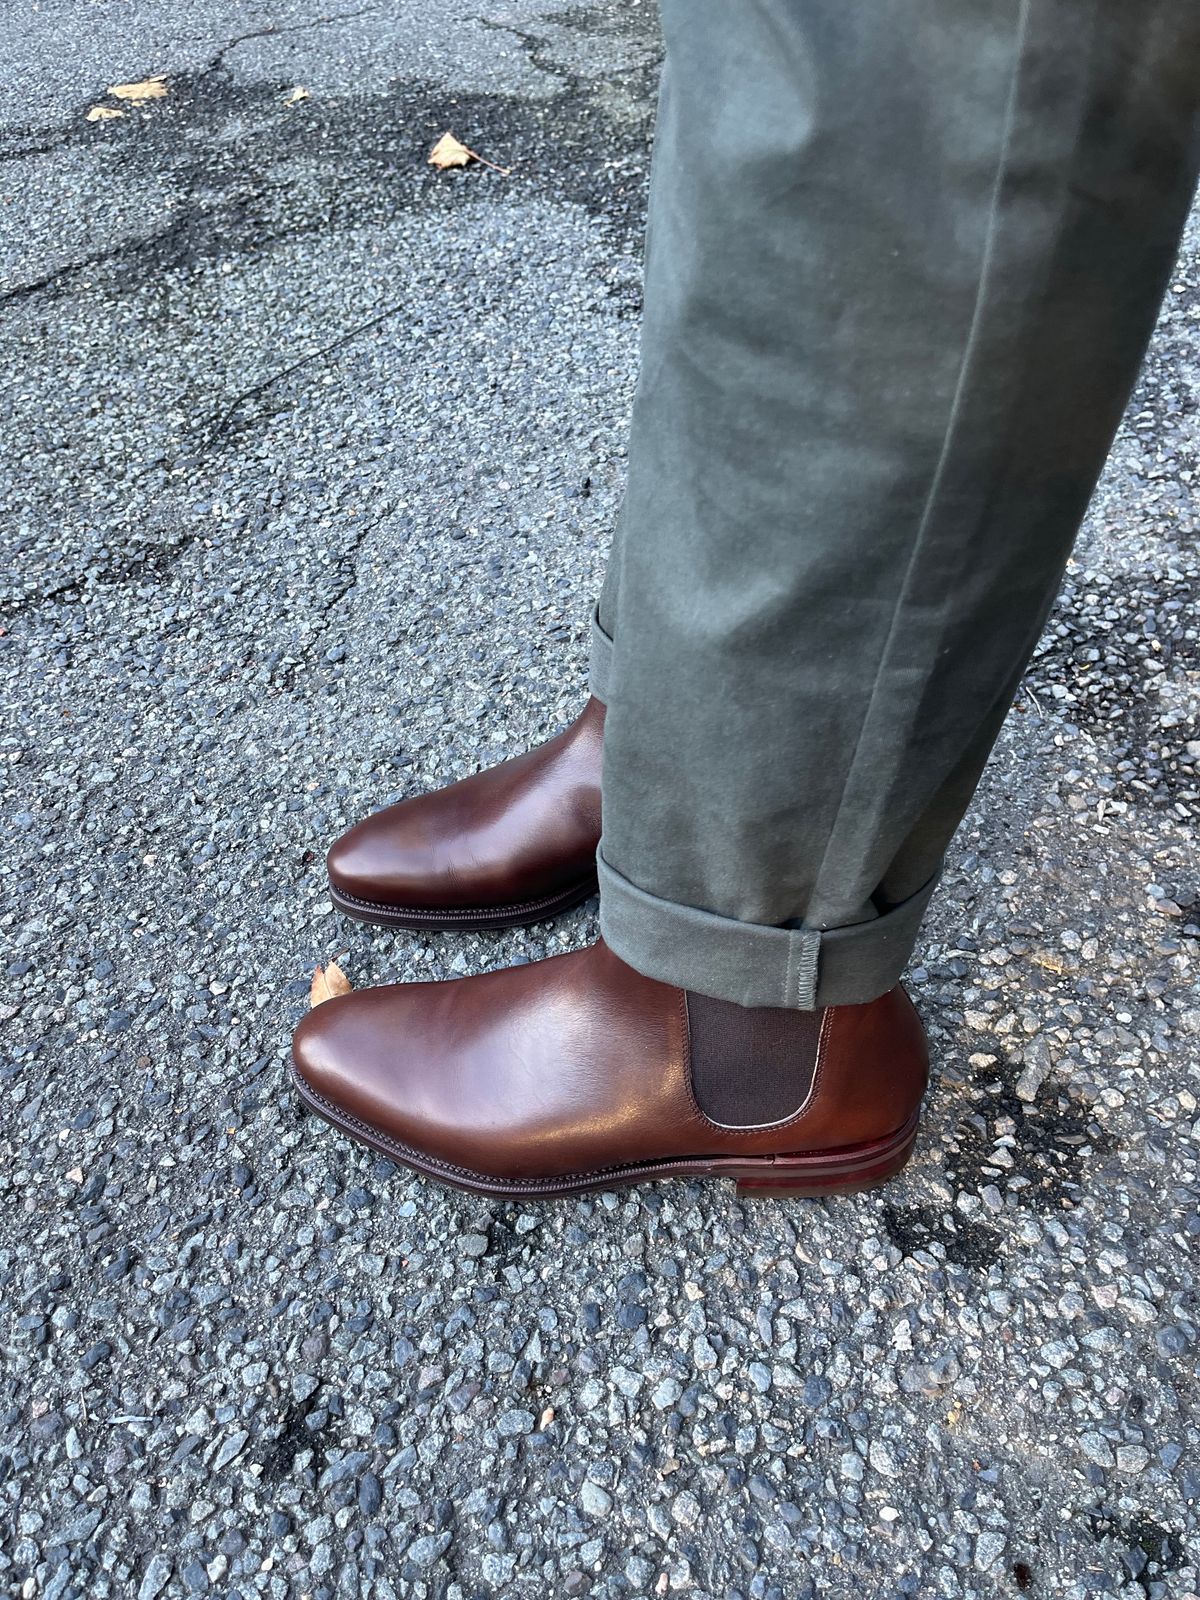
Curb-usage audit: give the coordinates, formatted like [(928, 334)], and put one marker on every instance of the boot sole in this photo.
[(853, 1169), (432, 919)]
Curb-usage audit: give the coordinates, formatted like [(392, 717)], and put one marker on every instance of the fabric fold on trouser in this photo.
[(600, 659), (901, 268), (755, 966)]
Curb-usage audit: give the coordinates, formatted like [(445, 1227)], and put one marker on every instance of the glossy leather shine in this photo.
[(508, 844), (578, 1066)]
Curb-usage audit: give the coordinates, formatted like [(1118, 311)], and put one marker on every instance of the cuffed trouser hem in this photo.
[(804, 968), (600, 663)]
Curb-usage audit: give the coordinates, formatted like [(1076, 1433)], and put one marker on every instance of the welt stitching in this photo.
[(464, 911), (427, 1165), (406, 1153)]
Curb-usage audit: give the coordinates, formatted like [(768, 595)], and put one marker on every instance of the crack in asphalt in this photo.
[(100, 258), (221, 424), (230, 203), (379, 136), (275, 31), (76, 130), (534, 48)]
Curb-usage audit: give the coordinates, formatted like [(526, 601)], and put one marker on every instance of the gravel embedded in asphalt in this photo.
[(311, 456)]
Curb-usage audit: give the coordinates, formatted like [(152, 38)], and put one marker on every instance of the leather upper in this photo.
[(515, 833), (577, 1064)]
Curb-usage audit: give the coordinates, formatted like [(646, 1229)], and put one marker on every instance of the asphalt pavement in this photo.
[(310, 456)]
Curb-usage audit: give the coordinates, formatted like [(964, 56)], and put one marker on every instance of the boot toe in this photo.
[(349, 1061), (381, 1065), (376, 863), (322, 1053)]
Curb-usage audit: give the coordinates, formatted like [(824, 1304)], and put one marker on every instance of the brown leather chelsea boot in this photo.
[(578, 1073), (513, 844)]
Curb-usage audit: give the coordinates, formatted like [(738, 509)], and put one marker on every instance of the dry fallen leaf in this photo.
[(149, 89), (298, 93), (451, 152), (328, 982), (103, 114), (448, 152)]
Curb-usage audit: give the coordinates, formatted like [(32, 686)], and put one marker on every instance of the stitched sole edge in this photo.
[(438, 918), (850, 1170)]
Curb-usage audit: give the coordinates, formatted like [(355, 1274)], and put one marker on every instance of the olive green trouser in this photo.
[(902, 263)]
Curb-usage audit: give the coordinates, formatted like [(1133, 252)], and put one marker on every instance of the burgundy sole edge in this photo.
[(436, 919), (850, 1170)]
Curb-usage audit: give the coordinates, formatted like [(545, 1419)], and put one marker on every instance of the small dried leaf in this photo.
[(149, 89), (449, 152), (298, 93), (328, 982), (103, 114)]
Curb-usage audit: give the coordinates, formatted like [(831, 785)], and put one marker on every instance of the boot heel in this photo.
[(832, 1172)]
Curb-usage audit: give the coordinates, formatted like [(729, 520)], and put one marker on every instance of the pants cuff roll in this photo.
[(600, 663), (754, 965)]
